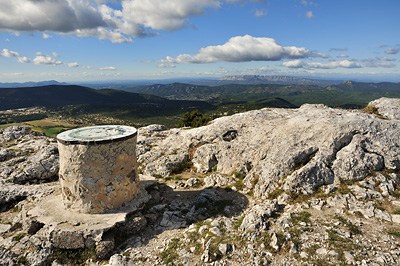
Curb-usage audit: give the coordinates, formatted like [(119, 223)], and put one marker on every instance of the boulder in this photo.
[(32, 158), (13, 132), (257, 217), (387, 107)]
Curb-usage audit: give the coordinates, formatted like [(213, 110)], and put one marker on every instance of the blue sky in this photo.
[(76, 40)]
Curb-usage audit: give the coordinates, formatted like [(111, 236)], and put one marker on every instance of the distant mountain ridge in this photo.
[(284, 80), (30, 84), (62, 95), (200, 92)]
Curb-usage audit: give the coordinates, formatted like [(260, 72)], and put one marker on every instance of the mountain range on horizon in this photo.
[(236, 79), (178, 94), (224, 80)]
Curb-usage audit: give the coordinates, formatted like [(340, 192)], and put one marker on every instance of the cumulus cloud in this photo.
[(243, 49), (41, 59), (342, 56), (102, 34), (163, 15), (116, 20), (133, 18), (8, 53), (328, 65), (73, 64), (108, 68), (23, 59), (392, 51), (49, 15)]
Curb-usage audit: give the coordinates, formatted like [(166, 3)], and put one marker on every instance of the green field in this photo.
[(46, 126)]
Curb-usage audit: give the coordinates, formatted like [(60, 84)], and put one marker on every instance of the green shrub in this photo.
[(394, 232), (170, 255), (179, 168), (303, 216), (73, 256), (194, 119), (18, 237)]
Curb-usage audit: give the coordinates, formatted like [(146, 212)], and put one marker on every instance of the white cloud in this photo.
[(108, 68), (309, 14), (41, 59), (46, 36), (243, 49), (166, 66), (328, 65), (164, 15), (342, 56), (49, 15), (102, 34), (97, 19), (73, 64), (120, 22), (321, 55), (392, 51), (8, 53), (384, 58), (56, 54), (23, 59)]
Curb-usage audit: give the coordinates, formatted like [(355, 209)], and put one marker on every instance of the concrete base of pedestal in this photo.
[(69, 229)]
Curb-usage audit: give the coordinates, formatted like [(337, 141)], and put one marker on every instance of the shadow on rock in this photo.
[(171, 209)]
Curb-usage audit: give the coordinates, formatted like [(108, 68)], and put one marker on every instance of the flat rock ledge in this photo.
[(68, 229)]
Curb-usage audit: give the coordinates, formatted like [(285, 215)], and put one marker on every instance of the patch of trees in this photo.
[(194, 119)]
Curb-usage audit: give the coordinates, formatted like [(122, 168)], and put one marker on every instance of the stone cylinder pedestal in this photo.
[(98, 168)]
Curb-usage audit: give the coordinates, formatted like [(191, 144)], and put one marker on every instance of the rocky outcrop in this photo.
[(387, 107), (27, 157), (302, 149)]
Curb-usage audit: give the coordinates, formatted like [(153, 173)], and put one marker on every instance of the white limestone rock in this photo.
[(302, 148), (217, 180), (257, 217), (13, 132), (387, 107), (27, 157)]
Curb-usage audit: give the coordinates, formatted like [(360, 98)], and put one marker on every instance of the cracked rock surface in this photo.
[(303, 148)]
